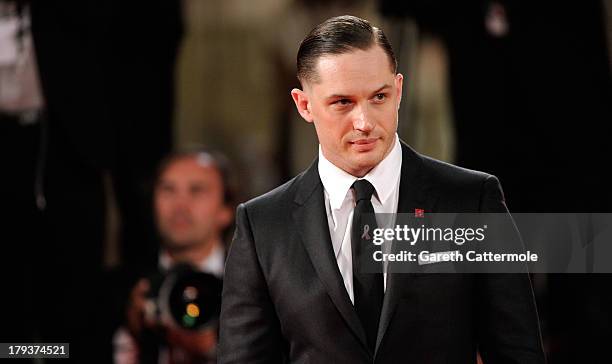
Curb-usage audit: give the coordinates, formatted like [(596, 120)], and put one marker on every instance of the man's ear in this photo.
[(302, 104), (399, 83), (225, 216)]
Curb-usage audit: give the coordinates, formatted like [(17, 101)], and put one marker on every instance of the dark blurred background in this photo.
[(93, 94)]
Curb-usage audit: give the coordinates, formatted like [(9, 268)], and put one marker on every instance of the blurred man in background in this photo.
[(193, 206)]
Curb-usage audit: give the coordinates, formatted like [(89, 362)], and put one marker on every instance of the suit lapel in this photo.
[(311, 219), (413, 194)]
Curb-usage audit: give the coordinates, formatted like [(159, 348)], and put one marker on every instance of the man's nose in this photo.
[(362, 120), (181, 200)]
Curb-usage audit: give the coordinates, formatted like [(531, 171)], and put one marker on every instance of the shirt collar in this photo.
[(212, 264), (383, 177)]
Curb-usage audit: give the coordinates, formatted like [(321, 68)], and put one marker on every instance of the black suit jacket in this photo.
[(284, 299)]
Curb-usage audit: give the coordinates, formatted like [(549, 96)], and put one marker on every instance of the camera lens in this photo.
[(190, 298)]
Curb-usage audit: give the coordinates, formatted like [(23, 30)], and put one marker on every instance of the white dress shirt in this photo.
[(340, 203), (214, 262)]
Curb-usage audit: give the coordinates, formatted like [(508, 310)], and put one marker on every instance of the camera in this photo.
[(184, 297)]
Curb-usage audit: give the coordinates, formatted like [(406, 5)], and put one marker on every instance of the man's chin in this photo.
[(367, 159), (360, 168), (179, 243)]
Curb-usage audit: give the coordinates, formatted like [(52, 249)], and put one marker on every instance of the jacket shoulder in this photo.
[(463, 186), (275, 199), (446, 173)]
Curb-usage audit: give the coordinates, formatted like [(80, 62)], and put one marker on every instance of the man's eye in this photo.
[(380, 97), (343, 102), (166, 189)]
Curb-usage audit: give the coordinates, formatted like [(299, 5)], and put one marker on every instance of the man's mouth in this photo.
[(180, 223), (363, 145)]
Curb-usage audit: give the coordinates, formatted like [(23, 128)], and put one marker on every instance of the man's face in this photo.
[(189, 204), (353, 103)]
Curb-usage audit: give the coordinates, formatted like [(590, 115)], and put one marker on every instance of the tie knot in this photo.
[(363, 190)]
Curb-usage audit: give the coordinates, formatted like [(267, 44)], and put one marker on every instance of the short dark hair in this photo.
[(339, 35), (218, 160)]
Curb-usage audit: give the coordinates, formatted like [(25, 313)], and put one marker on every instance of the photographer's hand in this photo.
[(135, 311), (199, 343)]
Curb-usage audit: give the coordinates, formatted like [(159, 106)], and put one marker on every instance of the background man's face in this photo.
[(189, 204), (354, 104)]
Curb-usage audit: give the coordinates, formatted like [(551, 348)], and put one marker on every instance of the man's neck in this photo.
[(196, 254)]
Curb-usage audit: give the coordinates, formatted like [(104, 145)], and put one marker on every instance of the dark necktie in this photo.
[(367, 287)]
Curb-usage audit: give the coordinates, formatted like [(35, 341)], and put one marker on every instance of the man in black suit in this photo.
[(291, 290)]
